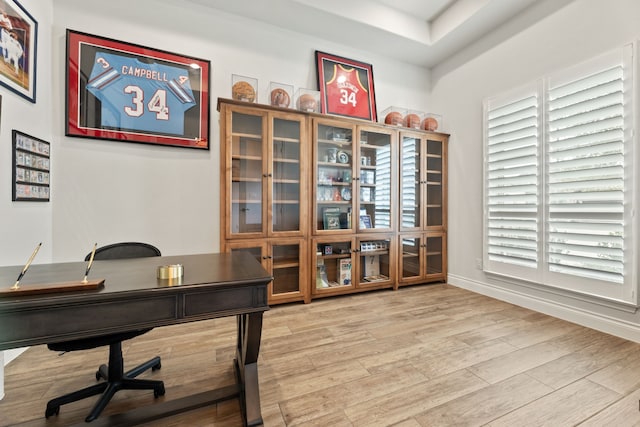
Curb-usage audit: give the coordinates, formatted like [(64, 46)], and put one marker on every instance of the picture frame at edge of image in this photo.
[(19, 41)]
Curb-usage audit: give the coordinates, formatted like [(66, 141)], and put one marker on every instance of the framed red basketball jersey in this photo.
[(346, 87)]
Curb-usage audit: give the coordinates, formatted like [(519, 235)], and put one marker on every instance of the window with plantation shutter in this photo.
[(586, 164), (512, 182), (558, 180)]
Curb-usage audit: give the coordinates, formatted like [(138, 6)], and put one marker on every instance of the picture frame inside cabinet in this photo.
[(31, 168)]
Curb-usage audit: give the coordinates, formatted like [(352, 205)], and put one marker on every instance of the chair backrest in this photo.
[(125, 250)]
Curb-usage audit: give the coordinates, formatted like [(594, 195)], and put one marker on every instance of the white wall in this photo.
[(581, 30), (110, 191), (24, 224)]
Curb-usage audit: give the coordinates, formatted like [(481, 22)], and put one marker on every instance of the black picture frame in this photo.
[(31, 168), (126, 92), (346, 87), (19, 45)]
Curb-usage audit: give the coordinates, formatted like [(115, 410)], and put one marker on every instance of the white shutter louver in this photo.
[(585, 194), (512, 182)]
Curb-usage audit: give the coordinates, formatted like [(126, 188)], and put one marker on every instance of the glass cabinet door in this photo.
[(434, 183), (334, 173), (286, 175), (411, 250), (375, 181), (334, 265), (247, 156), (375, 263), (410, 182), (287, 269), (434, 255)]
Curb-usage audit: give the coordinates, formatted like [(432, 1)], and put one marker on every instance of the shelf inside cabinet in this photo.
[(284, 160), (341, 143), (410, 254), (334, 165), (241, 179), (284, 139), (435, 156), (246, 157), (246, 135), (434, 171), (286, 263), (247, 201), (286, 202)]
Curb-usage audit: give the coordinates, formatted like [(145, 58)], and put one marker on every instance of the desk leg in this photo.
[(246, 363)]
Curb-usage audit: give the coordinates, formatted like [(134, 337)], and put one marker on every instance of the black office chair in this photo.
[(113, 373)]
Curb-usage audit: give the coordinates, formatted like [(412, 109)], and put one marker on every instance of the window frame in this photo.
[(541, 275)]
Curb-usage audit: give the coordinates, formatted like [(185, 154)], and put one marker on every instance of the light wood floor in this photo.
[(422, 356)]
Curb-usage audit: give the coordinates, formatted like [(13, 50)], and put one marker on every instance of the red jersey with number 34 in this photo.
[(346, 95)]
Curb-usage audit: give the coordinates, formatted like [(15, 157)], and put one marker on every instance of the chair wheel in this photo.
[(98, 376), (156, 366), (51, 411), (158, 391)]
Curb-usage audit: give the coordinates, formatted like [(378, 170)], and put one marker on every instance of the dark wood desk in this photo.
[(214, 285)]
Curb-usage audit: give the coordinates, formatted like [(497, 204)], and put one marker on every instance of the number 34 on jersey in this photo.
[(139, 96)]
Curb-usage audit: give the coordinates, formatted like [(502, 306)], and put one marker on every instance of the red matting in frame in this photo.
[(346, 87), (162, 98)]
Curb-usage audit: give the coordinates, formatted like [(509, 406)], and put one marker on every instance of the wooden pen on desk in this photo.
[(26, 267), (93, 253)]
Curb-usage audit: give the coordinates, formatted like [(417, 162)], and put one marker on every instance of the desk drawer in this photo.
[(85, 319), (223, 301)]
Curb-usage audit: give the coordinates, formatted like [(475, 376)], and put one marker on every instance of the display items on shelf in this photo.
[(308, 100), (345, 272), (413, 119), (280, 95), (431, 122), (244, 88), (394, 116)]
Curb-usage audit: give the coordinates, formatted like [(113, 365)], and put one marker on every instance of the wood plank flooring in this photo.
[(431, 355)]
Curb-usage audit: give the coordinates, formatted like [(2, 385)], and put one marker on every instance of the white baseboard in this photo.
[(6, 357), (9, 355), (590, 319)]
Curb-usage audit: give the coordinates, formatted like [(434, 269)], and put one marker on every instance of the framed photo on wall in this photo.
[(18, 45), (31, 168), (346, 87), (125, 92)]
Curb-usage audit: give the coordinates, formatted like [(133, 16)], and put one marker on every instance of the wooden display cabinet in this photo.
[(286, 260), (423, 208), (264, 202), (295, 185), (263, 172), (346, 265), (422, 258)]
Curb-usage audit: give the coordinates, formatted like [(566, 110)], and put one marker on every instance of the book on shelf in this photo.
[(331, 218), (371, 266), (345, 272)]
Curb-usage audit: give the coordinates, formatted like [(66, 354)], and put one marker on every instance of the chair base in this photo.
[(115, 381)]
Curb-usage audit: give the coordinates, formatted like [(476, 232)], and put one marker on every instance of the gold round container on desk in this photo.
[(173, 273)]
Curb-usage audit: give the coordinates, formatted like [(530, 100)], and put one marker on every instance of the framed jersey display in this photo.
[(346, 87), (18, 42), (125, 92)]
